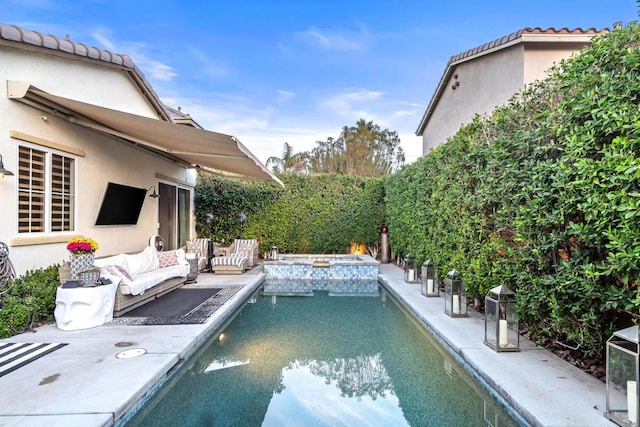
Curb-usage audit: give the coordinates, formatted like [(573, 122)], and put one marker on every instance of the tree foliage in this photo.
[(363, 150), (543, 196), (290, 162)]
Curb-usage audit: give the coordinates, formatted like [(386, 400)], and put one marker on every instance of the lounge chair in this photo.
[(243, 254), (199, 248)]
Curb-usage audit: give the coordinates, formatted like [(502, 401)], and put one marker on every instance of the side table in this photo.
[(84, 307)]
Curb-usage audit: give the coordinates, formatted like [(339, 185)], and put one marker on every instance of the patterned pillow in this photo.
[(118, 271), (167, 258), (123, 272)]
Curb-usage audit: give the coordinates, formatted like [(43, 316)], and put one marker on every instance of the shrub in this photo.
[(28, 301)]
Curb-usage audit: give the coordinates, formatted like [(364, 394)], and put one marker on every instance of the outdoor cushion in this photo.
[(144, 261)]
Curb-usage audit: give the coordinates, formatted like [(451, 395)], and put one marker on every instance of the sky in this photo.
[(297, 71)]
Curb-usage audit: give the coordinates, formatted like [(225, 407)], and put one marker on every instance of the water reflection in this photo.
[(321, 393)]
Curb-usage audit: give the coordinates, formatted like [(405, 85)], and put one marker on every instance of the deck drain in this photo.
[(130, 354)]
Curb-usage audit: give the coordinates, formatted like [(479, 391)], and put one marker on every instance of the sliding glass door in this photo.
[(174, 214)]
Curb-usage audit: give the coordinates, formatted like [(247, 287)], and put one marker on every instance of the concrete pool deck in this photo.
[(84, 384)]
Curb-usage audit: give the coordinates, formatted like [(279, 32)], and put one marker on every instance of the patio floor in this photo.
[(84, 384)]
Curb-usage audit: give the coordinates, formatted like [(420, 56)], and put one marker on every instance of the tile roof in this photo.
[(497, 44), (519, 35), (12, 35)]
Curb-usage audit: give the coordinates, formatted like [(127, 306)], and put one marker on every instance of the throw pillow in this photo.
[(167, 258)]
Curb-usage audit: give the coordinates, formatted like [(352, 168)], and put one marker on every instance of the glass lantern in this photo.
[(410, 269), (501, 320), (623, 382), (273, 253), (455, 298), (429, 280)]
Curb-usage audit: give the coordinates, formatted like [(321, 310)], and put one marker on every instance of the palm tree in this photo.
[(290, 162)]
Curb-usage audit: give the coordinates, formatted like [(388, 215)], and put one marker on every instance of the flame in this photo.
[(358, 248)]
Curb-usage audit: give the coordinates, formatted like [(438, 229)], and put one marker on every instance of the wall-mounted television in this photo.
[(121, 205)]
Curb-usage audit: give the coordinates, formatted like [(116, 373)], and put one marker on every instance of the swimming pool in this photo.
[(322, 361)]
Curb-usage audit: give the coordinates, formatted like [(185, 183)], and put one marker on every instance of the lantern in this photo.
[(455, 298), (623, 382), (501, 320), (429, 280), (273, 253), (410, 269)]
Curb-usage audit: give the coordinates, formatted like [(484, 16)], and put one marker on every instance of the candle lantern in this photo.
[(455, 298), (429, 280), (501, 320), (410, 269), (623, 382), (273, 253)]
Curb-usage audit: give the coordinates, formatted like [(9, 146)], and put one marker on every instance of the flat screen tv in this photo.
[(121, 205)]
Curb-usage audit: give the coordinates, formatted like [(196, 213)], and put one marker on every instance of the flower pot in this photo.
[(80, 263)]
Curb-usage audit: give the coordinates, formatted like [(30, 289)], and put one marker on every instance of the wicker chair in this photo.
[(243, 254), (199, 248)]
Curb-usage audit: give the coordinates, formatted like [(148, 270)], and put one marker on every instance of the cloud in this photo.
[(208, 65), (284, 95), (139, 54), (351, 103), (333, 40)]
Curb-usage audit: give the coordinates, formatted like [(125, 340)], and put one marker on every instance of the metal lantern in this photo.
[(273, 253), (410, 269), (429, 277), (623, 381), (501, 320), (455, 298)]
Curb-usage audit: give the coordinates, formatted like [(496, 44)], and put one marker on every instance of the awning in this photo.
[(193, 146)]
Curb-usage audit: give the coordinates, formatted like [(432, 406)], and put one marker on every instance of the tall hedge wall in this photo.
[(313, 214), (543, 196)]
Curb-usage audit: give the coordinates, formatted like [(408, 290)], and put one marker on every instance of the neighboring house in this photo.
[(77, 121), (482, 78)]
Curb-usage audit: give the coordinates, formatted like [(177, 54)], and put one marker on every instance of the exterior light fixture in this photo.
[(501, 320), (273, 254), (153, 195), (455, 298), (4, 172), (623, 381), (241, 218), (410, 269), (429, 280)]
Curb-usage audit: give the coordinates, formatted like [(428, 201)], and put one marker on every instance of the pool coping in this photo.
[(84, 384)]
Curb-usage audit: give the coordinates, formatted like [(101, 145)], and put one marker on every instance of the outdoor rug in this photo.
[(16, 355), (180, 307)]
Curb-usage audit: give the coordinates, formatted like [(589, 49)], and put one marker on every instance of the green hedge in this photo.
[(543, 196), (321, 213), (28, 301)]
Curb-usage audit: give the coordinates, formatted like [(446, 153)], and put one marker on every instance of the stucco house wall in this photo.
[(102, 158), (480, 79), (480, 85)]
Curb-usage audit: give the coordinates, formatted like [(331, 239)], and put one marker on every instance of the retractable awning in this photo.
[(193, 146)]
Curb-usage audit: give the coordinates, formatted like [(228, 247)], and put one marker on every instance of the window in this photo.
[(46, 191)]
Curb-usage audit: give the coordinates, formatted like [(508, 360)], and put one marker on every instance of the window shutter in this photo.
[(61, 193), (31, 190)]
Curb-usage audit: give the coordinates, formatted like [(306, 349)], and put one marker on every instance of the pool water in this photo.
[(322, 361)]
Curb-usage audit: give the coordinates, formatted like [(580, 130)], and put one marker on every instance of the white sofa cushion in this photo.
[(144, 261), (143, 281)]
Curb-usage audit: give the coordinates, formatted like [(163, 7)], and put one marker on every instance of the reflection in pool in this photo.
[(322, 361)]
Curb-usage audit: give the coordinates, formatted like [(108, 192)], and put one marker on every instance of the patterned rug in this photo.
[(16, 355), (198, 315)]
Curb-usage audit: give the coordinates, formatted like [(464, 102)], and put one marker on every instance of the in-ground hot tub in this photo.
[(325, 267)]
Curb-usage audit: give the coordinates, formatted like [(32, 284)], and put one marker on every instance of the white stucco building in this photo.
[(77, 120), (480, 79)]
